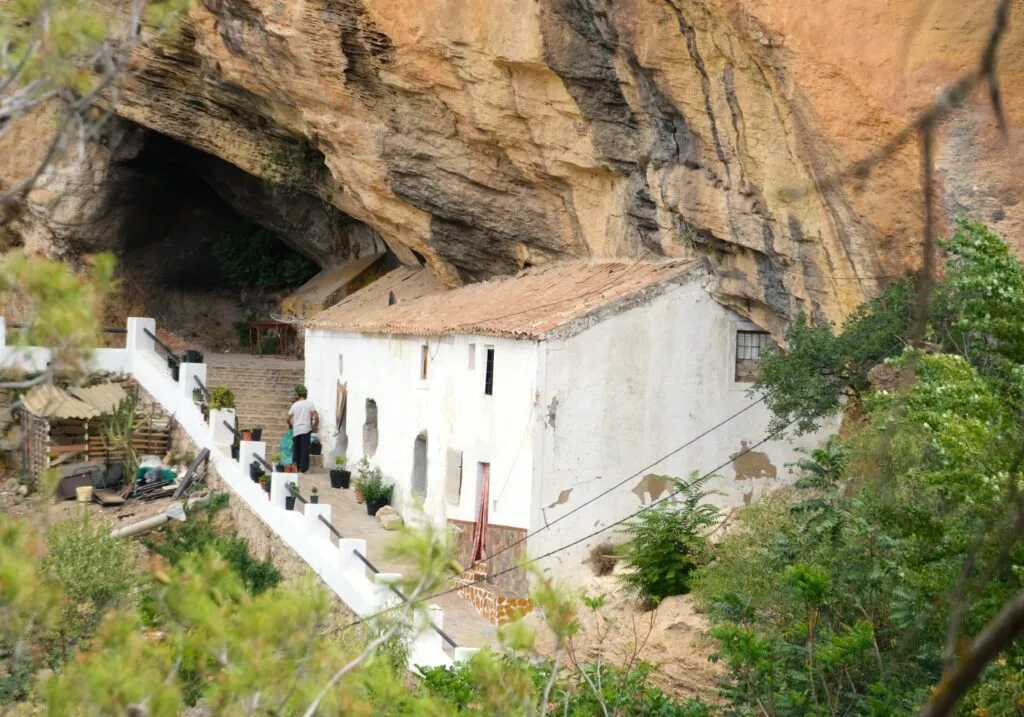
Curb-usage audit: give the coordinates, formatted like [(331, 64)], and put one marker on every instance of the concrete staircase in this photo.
[(264, 390)]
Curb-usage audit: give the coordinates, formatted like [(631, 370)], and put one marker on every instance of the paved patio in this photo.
[(461, 620)]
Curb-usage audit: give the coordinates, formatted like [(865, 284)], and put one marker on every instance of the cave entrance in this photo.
[(204, 247)]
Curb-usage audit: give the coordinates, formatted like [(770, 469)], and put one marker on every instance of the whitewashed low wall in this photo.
[(337, 566), (35, 358)]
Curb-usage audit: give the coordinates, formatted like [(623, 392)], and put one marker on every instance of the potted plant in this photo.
[(289, 501), (377, 494), (340, 478), (234, 451), (255, 470), (313, 497), (279, 463), (291, 468), (246, 435), (265, 484), (221, 397), (197, 395), (174, 364), (257, 433), (357, 490), (316, 448)]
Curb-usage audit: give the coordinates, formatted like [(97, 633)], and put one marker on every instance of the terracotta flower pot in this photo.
[(359, 495), (246, 435), (291, 469)]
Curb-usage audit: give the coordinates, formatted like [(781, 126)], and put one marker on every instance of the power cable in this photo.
[(619, 484), (588, 536)]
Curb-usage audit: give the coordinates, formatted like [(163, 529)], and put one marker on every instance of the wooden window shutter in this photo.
[(453, 476)]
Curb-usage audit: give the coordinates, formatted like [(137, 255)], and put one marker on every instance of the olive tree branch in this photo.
[(997, 636)]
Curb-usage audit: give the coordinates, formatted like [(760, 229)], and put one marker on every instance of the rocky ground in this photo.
[(671, 636)]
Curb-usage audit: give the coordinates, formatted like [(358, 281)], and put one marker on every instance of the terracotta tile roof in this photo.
[(529, 305)]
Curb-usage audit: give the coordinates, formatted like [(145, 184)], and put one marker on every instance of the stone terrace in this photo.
[(264, 389), (461, 620)]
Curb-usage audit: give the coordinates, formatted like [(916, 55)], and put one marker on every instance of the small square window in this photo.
[(472, 357), (489, 372), (424, 359), (749, 345)]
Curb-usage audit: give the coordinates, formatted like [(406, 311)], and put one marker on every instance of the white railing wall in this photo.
[(300, 529)]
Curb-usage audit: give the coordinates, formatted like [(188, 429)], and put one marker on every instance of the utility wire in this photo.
[(590, 535), (619, 484)]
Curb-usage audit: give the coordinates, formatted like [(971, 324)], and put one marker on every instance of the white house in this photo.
[(511, 402)]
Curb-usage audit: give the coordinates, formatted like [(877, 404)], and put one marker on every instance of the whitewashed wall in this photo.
[(300, 529), (628, 390), (35, 358), (450, 405)]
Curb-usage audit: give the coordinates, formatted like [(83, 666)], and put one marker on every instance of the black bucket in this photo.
[(257, 434), (192, 356)]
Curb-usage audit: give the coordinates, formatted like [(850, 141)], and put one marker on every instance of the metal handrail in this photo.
[(296, 494), (330, 527), (232, 429), (202, 387), (161, 344), (366, 561), (444, 635)]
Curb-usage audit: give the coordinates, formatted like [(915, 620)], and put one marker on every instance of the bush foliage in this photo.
[(836, 598), (668, 542), (260, 260)]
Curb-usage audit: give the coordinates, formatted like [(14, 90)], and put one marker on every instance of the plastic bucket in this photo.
[(84, 494), (192, 356)]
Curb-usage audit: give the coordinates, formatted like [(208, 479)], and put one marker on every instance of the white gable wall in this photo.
[(629, 390), (450, 406)]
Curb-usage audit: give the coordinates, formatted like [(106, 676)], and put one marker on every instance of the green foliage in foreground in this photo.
[(198, 535), (574, 694)]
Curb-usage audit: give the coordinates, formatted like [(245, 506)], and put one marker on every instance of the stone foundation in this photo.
[(512, 580), (496, 608)]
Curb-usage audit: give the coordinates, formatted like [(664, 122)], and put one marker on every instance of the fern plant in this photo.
[(668, 542)]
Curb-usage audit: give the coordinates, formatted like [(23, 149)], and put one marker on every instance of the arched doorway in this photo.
[(370, 435), (419, 466)]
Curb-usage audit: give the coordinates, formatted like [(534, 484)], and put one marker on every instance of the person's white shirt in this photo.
[(302, 416)]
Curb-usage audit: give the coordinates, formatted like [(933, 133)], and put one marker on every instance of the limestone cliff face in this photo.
[(483, 135)]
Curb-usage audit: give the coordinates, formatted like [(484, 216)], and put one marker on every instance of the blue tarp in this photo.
[(285, 448)]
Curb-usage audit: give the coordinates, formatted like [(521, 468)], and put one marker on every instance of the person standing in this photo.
[(303, 420)]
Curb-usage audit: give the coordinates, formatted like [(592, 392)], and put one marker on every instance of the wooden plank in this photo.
[(68, 449)]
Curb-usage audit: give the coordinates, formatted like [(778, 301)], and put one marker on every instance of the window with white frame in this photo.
[(749, 345)]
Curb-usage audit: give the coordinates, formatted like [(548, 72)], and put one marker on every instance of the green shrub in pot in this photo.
[(221, 397)]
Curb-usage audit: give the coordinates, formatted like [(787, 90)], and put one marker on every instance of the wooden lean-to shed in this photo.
[(62, 427)]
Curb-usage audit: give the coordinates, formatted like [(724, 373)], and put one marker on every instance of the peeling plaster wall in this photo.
[(450, 406), (629, 390)]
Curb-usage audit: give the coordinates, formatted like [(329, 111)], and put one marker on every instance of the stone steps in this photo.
[(262, 395)]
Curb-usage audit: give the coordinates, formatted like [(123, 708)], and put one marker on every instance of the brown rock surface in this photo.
[(671, 636), (483, 135)]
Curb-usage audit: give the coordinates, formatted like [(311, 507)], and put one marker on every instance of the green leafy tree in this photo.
[(61, 307), (668, 541), (850, 594)]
